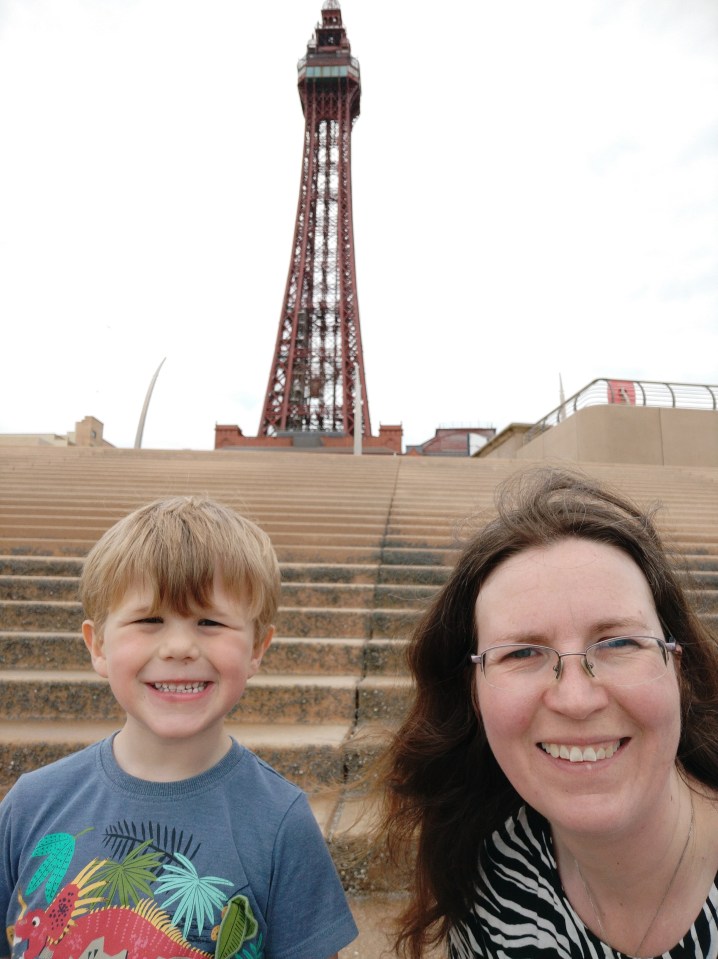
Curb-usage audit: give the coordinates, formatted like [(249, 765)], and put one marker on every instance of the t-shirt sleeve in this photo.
[(308, 916), (6, 880)]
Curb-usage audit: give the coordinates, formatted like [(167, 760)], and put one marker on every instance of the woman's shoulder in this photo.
[(518, 907), (525, 835)]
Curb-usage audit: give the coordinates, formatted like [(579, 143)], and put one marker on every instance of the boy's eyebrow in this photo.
[(143, 606), (216, 610)]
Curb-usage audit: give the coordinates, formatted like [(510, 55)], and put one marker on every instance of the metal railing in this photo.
[(601, 392)]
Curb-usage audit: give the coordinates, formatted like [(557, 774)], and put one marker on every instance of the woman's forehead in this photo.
[(574, 572)]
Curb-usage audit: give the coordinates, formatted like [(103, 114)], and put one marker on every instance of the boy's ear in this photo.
[(260, 648), (93, 641)]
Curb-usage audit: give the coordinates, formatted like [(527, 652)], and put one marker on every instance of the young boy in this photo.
[(169, 839)]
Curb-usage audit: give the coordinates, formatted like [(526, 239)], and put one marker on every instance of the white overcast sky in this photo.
[(535, 194)]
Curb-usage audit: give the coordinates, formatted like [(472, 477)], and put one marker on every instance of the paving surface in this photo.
[(374, 918)]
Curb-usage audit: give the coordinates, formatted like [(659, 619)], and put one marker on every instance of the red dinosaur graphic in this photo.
[(66, 929)]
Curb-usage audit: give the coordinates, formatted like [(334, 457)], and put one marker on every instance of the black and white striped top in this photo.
[(521, 911)]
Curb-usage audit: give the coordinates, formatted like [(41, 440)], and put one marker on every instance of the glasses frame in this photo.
[(666, 646)]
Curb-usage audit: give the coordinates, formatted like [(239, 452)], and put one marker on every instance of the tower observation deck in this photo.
[(318, 358)]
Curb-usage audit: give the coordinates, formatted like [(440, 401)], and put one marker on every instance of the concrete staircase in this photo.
[(363, 544)]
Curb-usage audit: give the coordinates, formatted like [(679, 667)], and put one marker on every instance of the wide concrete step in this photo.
[(325, 553), (287, 655), (359, 573), (698, 562), (245, 492), (319, 622), (704, 568), (294, 594), (383, 698), (314, 534), (71, 567), (268, 698), (31, 508), (414, 575), (39, 587), (67, 651), (312, 755)]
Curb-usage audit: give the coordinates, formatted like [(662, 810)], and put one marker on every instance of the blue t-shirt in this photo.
[(96, 863)]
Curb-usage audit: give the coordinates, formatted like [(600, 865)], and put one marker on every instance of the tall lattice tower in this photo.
[(318, 356)]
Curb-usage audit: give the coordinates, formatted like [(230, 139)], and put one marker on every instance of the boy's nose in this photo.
[(178, 643)]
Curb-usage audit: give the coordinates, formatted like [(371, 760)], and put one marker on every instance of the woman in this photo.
[(555, 781)]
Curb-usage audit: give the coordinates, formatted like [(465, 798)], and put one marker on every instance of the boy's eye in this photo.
[(150, 619), (209, 622)]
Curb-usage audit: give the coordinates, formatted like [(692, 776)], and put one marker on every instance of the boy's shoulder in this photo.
[(261, 787), (240, 770), (260, 769), (66, 769)]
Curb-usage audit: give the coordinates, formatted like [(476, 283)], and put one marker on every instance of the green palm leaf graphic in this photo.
[(59, 847), (195, 895), (129, 881), (255, 950), (238, 925)]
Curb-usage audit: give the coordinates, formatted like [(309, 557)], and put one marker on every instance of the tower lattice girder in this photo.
[(312, 381)]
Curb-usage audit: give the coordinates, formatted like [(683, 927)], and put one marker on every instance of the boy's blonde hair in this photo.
[(175, 547)]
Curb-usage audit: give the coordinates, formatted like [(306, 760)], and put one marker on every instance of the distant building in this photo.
[(87, 432), (454, 441)]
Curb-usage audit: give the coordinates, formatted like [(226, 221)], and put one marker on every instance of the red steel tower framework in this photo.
[(318, 355)]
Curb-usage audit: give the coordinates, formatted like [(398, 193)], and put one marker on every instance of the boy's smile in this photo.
[(176, 676), (181, 687)]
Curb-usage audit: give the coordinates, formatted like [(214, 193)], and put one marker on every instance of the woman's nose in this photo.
[(575, 692)]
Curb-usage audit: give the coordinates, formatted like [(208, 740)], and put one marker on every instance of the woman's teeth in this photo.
[(578, 754), (180, 687)]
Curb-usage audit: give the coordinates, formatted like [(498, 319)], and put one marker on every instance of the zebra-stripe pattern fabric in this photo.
[(521, 911)]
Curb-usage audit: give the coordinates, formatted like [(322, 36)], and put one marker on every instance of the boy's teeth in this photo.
[(577, 754), (180, 687)]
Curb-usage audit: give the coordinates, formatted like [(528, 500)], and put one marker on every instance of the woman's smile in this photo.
[(578, 747), (582, 754)]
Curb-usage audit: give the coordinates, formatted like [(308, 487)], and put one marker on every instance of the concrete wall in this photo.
[(32, 439), (630, 434), (506, 443)]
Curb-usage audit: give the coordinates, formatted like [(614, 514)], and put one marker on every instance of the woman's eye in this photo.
[(525, 652), (620, 642)]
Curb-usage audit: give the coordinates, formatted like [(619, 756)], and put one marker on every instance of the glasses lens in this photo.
[(627, 660), (519, 665)]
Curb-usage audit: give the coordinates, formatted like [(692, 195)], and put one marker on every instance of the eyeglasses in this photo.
[(620, 661)]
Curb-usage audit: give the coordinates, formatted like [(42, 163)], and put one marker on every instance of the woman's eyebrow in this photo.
[(536, 638), (619, 622), (529, 638)]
